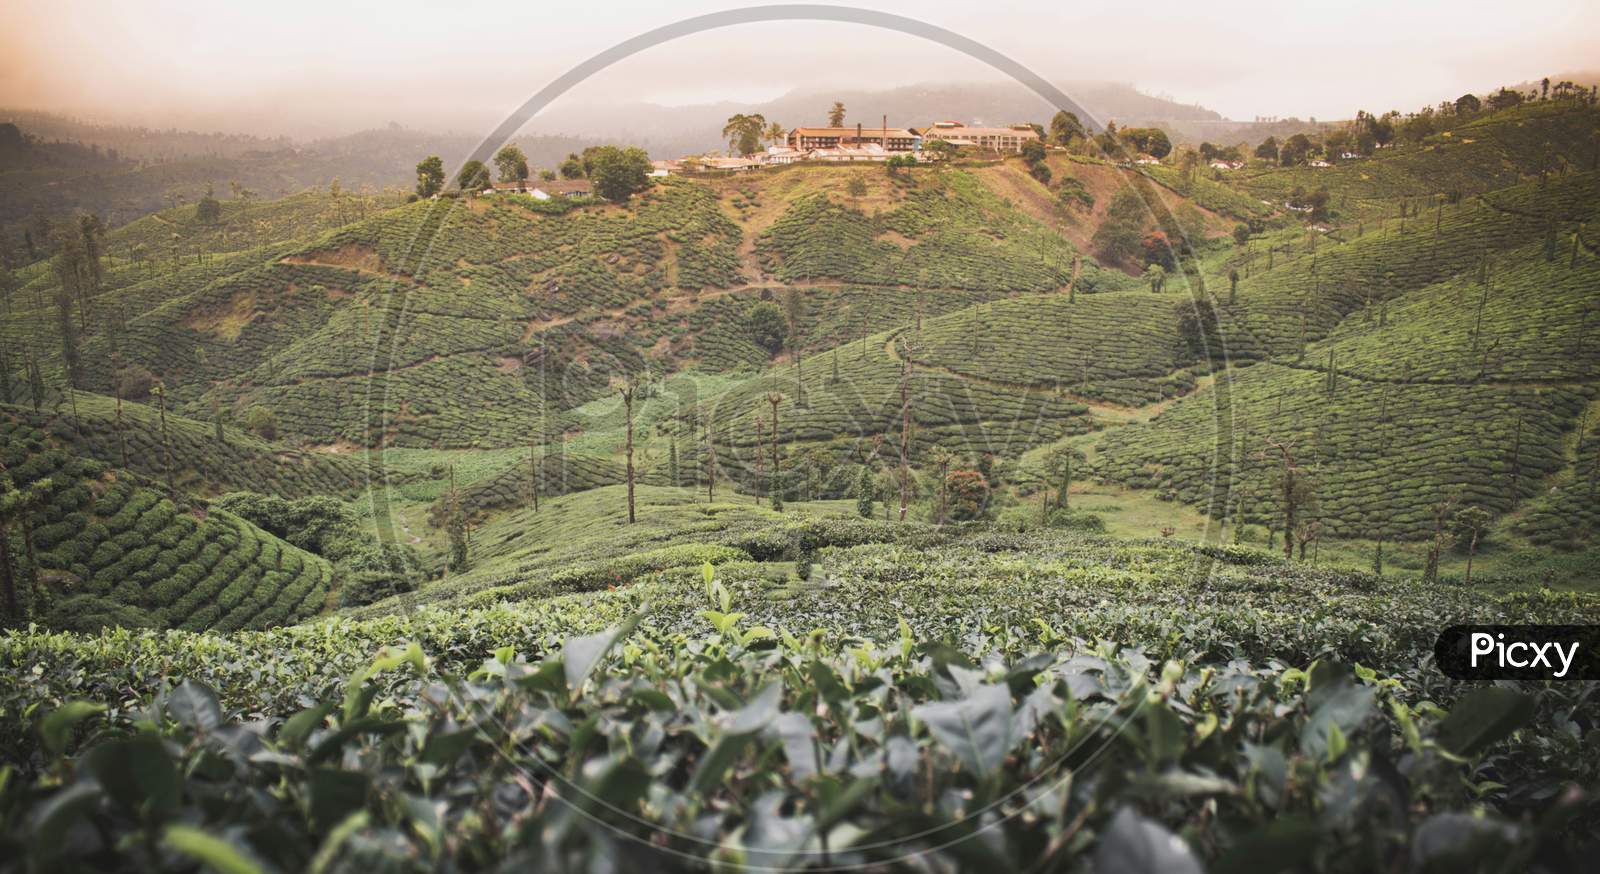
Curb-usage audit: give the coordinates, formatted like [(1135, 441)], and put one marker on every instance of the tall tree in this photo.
[(711, 464), (1065, 128), (1471, 521), (627, 392), (68, 270), (92, 231), (457, 524), (744, 132), (533, 476), (1289, 484), (941, 458), (836, 114), (794, 316), (1442, 512), (1060, 462), (473, 177), (430, 176), (17, 506), (6, 396), (905, 433), (619, 173), (775, 398), (512, 164), (160, 391), (866, 493)]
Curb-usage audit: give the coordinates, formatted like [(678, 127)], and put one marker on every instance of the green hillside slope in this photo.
[(109, 550)]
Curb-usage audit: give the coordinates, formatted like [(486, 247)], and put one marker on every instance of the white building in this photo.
[(784, 155)]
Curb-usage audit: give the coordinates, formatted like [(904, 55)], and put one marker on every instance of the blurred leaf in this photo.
[(978, 729), (716, 762), (335, 794), (1135, 845), (1282, 844), (755, 715), (213, 852), (137, 772), (53, 816), (298, 727), (56, 727), (581, 655), (799, 740), (1483, 717), (195, 705)]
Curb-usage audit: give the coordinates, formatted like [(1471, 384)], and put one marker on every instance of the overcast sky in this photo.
[(312, 67)]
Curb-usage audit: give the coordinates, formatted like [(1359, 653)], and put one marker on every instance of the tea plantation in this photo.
[(760, 521), (980, 715), (104, 548)]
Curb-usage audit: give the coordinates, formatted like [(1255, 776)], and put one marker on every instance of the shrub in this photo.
[(262, 421)]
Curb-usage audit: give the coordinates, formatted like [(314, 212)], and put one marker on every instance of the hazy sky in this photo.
[(325, 67)]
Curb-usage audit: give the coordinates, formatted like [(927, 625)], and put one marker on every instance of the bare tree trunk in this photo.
[(1289, 471), (711, 464), (761, 467), (166, 444), (774, 398), (533, 476), (122, 440), (905, 436), (627, 401), (33, 557), (8, 575)]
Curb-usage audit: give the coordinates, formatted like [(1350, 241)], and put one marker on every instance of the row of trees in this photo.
[(616, 172), (1454, 523)]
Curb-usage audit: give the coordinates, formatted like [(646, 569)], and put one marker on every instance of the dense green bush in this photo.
[(705, 736)]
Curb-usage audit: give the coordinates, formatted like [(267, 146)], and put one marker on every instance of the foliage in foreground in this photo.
[(747, 745)]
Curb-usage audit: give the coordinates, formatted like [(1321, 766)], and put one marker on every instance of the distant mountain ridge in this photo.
[(696, 128)]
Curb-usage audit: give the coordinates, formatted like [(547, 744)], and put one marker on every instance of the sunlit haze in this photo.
[(318, 68)]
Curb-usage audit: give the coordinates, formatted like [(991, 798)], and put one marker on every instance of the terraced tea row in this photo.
[(107, 550), (1375, 457), (1125, 348), (200, 461)]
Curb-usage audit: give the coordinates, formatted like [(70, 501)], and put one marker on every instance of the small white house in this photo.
[(851, 154), (784, 155)]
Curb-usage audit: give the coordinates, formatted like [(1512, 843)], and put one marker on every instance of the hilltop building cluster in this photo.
[(859, 144)]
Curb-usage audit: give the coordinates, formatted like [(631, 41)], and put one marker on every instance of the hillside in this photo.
[(107, 548), (960, 308), (1027, 513), (123, 173)]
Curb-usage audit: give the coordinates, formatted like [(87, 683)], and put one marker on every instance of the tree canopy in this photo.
[(473, 176), (617, 173), (1065, 128), (430, 176), (512, 164), (744, 132)]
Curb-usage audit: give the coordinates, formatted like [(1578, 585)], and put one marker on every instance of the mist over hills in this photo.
[(694, 128), (123, 172)]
